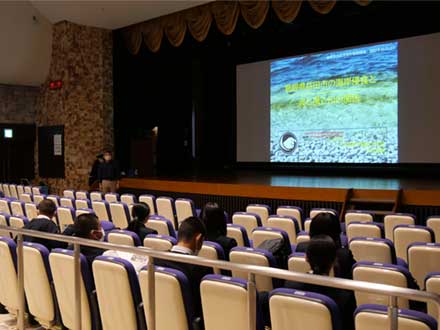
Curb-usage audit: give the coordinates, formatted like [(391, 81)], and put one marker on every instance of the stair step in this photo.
[(372, 200)]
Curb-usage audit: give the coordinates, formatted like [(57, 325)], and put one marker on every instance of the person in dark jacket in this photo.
[(321, 255), (140, 213), (88, 226), (44, 223), (328, 224), (108, 174), (191, 235), (93, 177), (214, 219)]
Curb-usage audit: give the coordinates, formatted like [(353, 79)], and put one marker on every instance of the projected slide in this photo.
[(336, 106)]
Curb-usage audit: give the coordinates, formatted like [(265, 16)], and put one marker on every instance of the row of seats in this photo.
[(14, 191), (115, 297)]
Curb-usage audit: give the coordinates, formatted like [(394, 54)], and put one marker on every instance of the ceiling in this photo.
[(109, 14)]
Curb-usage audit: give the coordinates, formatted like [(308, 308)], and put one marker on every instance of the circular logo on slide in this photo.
[(288, 142)]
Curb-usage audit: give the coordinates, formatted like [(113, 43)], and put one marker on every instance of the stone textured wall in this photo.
[(17, 104), (82, 59)]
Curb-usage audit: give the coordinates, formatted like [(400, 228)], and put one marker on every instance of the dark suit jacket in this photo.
[(47, 226), (142, 231), (194, 274), (343, 298), (344, 260)]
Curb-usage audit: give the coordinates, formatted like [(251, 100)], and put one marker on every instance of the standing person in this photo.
[(108, 174), (93, 177)]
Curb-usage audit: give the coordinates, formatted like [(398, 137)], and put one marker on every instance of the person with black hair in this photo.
[(140, 214), (108, 174), (214, 219), (88, 226), (321, 255), (328, 224), (191, 234), (93, 177), (43, 222)]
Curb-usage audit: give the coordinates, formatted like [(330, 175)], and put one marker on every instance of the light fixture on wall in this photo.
[(56, 84)]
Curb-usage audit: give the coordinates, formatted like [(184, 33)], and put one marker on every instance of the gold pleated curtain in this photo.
[(224, 14)]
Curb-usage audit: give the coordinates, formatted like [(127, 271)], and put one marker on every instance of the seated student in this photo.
[(214, 219), (328, 224), (321, 255), (88, 226), (190, 240), (140, 213), (43, 222)]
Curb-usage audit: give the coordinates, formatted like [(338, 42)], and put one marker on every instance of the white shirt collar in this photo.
[(182, 249), (42, 216)]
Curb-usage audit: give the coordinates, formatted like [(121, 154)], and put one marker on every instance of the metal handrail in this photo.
[(392, 291)]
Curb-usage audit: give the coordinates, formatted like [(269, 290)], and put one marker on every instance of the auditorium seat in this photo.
[(17, 208), (261, 234), (67, 202), (161, 225), (238, 233), (37, 284), (13, 191), (28, 190), (225, 303), (128, 199), (248, 220), (150, 200), (20, 190), (82, 194), (66, 217), (213, 251), (184, 209), (289, 224), (118, 292), (404, 235), (120, 214), (38, 198), (423, 258), (297, 262), (31, 210), (8, 275), (258, 257), (36, 191), (292, 211), (159, 242), (375, 317), (85, 210), (83, 204), (69, 193), (262, 210), (102, 210), (364, 229), (111, 197), (392, 220), (123, 237), (27, 198), (4, 221), (375, 272), (432, 284), (96, 196), (433, 222), (6, 190), (315, 211), (302, 237), (374, 249), (17, 221), (300, 310), (358, 216), (4, 205), (62, 267), (54, 199), (173, 299), (165, 208)]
